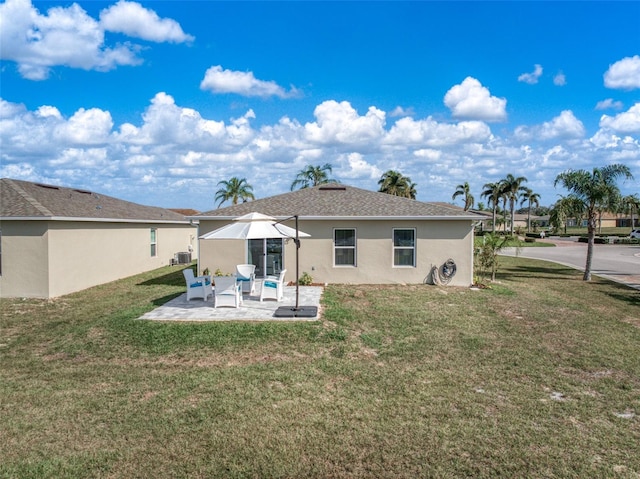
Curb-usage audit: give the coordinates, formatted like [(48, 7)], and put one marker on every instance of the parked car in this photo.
[(635, 234)]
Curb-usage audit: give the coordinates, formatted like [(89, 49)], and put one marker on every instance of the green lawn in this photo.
[(537, 377), (517, 243)]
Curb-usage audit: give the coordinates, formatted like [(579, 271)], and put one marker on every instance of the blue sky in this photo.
[(156, 102)]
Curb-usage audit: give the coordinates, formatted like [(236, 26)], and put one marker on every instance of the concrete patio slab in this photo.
[(179, 309)]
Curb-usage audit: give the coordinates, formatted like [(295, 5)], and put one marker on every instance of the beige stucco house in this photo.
[(56, 240), (357, 237)]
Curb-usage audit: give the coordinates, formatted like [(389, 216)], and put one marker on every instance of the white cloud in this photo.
[(563, 127), (609, 103), (400, 111), (355, 166), (556, 157), (218, 80), (531, 78), (134, 20), (624, 74), (68, 36), (48, 111), (566, 125), (626, 122), (428, 154), (429, 132), (10, 110), (471, 100), (167, 123), (560, 79), (86, 127), (183, 154), (339, 123)]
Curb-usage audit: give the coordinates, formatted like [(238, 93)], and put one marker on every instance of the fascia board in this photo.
[(356, 218), (90, 220)]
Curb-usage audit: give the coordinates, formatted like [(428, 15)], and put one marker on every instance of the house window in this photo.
[(154, 242), (404, 247), (344, 247)]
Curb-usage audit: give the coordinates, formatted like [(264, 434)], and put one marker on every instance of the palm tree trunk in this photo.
[(513, 206), (591, 230), (529, 218), (493, 225)]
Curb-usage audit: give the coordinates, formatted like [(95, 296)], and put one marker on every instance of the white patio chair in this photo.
[(273, 287), (197, 286), (246, 275), (227, 291)]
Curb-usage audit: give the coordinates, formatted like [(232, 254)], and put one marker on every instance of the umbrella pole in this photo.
[(297, 311), (297, 265)]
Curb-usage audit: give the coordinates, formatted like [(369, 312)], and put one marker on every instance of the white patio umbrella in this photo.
[(253, 226), (259, 226)]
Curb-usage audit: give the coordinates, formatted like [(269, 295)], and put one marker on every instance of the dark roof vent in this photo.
[(86, 192), (51, 187), (333, 188)]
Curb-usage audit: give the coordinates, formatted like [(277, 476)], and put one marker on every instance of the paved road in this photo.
[(619, 263)]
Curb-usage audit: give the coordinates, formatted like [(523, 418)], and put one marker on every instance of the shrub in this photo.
[(626, 241), (596, 240), (305, 279)]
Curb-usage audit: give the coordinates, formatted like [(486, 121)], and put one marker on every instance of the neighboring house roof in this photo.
[(35, 201), (337, 201), (487, 213), (184, 211)]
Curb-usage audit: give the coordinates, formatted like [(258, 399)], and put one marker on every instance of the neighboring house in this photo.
[(56, 240), (606, 220), (357, 237), (520, 221)]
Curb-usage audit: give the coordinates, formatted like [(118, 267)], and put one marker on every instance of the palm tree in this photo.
[(234, 189), (313, 176), (511, 189), (464, 190), (593, 188), (492, 191), (395, 183), (487, 254), (566, 207), (631, 205), (528, 196)]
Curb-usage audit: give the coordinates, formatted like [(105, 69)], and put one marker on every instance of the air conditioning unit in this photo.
[(182, 258)]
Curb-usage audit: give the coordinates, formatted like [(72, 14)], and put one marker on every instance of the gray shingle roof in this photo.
[(23, 199), (340, 201)]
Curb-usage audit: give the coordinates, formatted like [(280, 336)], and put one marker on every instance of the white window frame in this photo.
[(153, 242), (394, 248), (354, 247)]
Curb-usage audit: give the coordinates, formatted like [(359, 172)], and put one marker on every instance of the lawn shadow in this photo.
[(530, 271), (621, 292), (174, 278), (165, 299)]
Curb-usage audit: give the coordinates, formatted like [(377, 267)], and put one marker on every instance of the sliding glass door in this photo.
[(266, 255)]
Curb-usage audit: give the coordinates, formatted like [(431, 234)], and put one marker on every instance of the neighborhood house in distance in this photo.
[(356, 237), (56, 240)]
